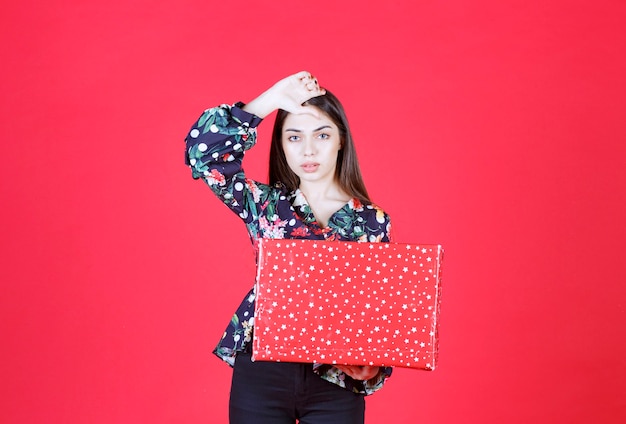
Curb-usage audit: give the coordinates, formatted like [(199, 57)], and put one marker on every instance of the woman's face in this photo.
[(311, 146)]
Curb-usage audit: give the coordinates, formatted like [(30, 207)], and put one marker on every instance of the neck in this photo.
[(323, 191)]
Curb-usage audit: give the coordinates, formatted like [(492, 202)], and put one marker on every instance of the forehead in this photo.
[(308, 122)]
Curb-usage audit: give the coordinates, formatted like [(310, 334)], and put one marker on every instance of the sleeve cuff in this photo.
[(238, 112)]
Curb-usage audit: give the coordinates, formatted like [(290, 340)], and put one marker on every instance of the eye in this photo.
[(324, 136), (293, 138)]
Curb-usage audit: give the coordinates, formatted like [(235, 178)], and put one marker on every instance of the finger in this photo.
[(312, 82), (351, 370), (319, 89), (307, 110), (313, 87), (304, 76)]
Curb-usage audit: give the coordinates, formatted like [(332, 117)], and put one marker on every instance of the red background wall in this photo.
[(494, 128)]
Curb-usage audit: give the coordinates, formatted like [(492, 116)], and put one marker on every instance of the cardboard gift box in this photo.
[(347, 303)]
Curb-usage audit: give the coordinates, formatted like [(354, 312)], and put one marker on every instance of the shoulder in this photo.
[(374, 221), (369, 209)]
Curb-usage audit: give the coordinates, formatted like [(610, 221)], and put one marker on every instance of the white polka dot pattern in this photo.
[(347, 303)]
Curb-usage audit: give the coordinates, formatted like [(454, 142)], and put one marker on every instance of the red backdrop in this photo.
[(493, 128)]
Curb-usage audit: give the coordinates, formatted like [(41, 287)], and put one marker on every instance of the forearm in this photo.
[(263, 105)]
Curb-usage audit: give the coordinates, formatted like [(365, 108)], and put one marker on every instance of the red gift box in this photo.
[(347, 303)]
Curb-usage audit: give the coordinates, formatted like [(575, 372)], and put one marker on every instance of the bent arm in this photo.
[(216, 143), (215, 148)]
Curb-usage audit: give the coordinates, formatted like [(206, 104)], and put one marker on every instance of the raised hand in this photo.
[(288, 94)]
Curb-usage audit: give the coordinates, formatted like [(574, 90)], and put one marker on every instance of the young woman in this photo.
[(315, 192)]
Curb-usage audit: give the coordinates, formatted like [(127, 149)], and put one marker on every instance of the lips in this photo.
[(310, 166)]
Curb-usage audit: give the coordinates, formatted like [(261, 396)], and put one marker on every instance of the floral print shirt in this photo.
[(215, 149)]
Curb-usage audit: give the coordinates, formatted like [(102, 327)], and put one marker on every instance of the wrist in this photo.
[(261, 106)]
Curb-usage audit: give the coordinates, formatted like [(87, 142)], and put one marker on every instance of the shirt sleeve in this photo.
[(215, 147)]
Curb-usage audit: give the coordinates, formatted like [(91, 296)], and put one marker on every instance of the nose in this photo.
[(309, 147)]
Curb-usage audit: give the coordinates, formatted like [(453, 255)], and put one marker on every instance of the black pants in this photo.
[(281, 393)]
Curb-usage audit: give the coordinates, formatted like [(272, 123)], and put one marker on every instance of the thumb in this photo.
[(307, 110)]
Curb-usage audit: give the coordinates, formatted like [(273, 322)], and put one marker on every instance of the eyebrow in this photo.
[(323, 127)]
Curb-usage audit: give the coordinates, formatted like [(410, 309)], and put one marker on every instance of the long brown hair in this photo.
[(347, 172)]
